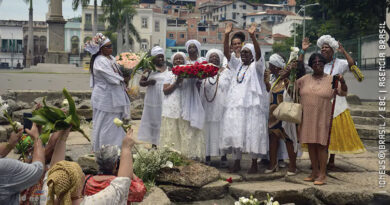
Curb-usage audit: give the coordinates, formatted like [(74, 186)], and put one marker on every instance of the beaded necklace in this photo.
[(216, 90), (243, 75)]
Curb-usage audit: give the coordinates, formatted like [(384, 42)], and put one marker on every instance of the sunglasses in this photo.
[(108, 46)]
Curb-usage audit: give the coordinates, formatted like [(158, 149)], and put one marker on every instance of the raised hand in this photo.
[(34, 131), (252, 29), (228, 28), (341, 48), (128, 140), (305, 44), (15, 137)]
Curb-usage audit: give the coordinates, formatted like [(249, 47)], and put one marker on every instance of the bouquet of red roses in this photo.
[(197, 70)]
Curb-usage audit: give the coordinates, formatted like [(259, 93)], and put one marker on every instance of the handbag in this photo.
[(289, 111)]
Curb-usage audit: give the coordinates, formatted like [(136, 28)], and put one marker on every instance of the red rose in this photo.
[(230, 180)]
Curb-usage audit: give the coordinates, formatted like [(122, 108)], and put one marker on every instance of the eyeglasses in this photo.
[(108, 46)]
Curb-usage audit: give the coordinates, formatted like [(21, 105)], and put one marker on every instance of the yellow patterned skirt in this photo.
[(344, 137)]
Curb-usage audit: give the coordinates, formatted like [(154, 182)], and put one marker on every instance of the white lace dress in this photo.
[(183, 119), (149, 130), (245, 120), (214, 109)]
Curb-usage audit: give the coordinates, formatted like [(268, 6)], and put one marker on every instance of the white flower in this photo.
[(245, 200), (275, 203), (118, 122), (3, 108), (65, 103), (168, 164), (237, 203), (1, 100), (293, 54), (18, 125), (271, 199)]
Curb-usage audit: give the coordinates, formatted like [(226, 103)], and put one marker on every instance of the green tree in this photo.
[(119, 14), (283, 47)]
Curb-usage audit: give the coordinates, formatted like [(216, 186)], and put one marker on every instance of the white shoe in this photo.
[(275, 169), (292, 173)]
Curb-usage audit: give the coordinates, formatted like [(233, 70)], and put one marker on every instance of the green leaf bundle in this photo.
[(53, 119)]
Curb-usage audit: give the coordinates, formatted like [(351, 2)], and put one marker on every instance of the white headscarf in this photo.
[(251, 47), (328, 40), (178, 53), (157, 50), (218, 52), (193, 41), (277, 60), (93, 46)]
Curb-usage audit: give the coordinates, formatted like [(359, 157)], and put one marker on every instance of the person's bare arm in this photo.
[(169, 88), (13, 140), (350, 60), (49, 148), (144, 82), (60, 147), (39, 150), (251, 32), (126, 161), (226, 47)]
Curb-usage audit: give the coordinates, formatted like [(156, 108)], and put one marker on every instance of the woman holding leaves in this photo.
[(149, 129), (183, 114), (245, 120), (109, 99), (213, 93)]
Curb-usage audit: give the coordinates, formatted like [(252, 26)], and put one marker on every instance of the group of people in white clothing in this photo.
[(229, 113)]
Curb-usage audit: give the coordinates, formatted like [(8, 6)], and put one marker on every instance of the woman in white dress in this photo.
[(245, 120), (149, 129), (183, 114), (213, 92), (109, 98), (193, 50)]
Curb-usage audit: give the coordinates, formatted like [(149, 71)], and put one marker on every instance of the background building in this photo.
[(11, 43)]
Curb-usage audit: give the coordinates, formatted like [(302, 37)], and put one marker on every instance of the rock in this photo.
[(214, 190), (5, 131), (353, 100), (9, 95), (85, 104), (235, 177), (18, 115), (12, 106), (193, 175), (88, 164), (137, 107), (154, 196), (86, 113)]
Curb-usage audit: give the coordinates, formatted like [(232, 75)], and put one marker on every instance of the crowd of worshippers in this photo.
[(228, 114)]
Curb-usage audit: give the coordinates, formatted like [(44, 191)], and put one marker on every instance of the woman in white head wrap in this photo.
[(244, 123), (344, 137), (149, 129), (109, 99), (213, 93), (183, 114), (193, 48)]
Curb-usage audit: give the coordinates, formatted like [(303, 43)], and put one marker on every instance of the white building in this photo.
[(152, 27), (87, 20), (11, 43), (287, 26)]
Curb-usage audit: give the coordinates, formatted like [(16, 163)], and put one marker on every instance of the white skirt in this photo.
[(245, 129), (184, 138), (212, 135), (104, 130)]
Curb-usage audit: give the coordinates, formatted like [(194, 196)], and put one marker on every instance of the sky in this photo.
[(18, 9)]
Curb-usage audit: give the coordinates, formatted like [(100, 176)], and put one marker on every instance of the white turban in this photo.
[(328, 40), (178, 53), (218, 52), (251, 47), (93, 46), (157, 50), (193, 41), (277, 60)]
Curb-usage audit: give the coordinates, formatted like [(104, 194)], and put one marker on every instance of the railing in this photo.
[(11, 63)]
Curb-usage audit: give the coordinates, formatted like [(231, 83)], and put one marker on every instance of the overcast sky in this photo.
[(18, 9)]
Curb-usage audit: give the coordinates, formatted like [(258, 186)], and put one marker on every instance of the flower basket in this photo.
[(198, 70)]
